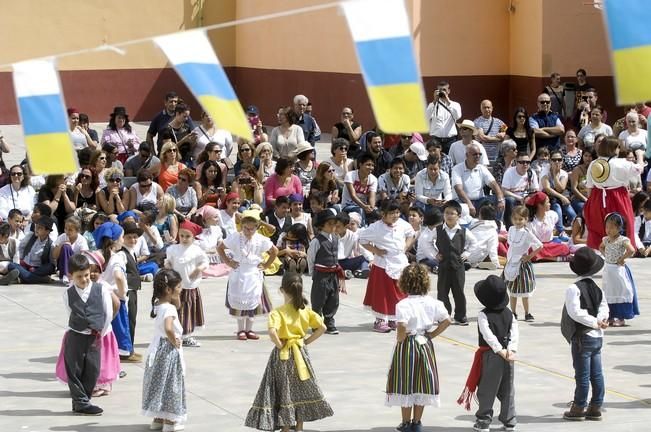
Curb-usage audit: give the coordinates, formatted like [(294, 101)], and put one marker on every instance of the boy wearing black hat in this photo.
[(492, 370), (327, 275), (36, 264), (585, 316)]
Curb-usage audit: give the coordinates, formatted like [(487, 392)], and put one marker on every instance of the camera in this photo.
[(244, 181), (584, 98), (440, 94)]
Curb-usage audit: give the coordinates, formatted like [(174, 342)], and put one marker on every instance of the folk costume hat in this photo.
[(107, 230), (586, 262), (95, 258), (600, 170), (126, 214), (492, 293), (534, 199), (322, 217), (191, 227)]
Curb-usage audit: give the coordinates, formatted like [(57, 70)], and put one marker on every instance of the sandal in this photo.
[(241, 335), (252, 335)]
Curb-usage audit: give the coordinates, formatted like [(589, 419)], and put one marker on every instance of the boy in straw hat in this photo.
[(492, 370), (585, 316)]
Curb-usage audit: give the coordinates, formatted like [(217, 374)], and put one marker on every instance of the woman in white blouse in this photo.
[(18, 194), (120, 135), (78, 135), (286, 137), (633, 138), (207, 133), (588, 132)]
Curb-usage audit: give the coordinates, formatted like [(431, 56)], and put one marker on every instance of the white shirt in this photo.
[(84, 294), (634, 142), (221, 137), (621, 172), (544, 229), (117, 263), (471, 241), (185, 260), (472, 180), (209, 238), (78, 246), (588, 133), (420, 313), (78, 140), (339, 170), (392, 239), (491, 339), (573, 306), (285, 147), (442, 119), (361, 190), (227, 222), (458, 149), (520, 184), (485, 233), (140, 249), (647, 231), (426, 189), (349, 247), (22, 199), (426, 247)]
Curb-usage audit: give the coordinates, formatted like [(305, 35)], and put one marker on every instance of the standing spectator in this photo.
[(159, 124), (59, 198), (259, 134), (120, 134), (556, 93), (304, 120), (442, 114), (348, 129), (79, 135), (206, 133), (572, 155), (317, 130), (546, 124), (522, 133), (596, 127), (143, 159), (584, 108), (286, 137), (282, 183), (582, 87), (490, 130), (518, 182), (180, 129), (458, 148), (432, 186), (18, 194)]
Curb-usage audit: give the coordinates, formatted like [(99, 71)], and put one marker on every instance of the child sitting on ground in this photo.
[(485, 231), (351, 256), (16, 222), (642, 231), (66, 245), (298, 215), (8, 254), (292, 248)]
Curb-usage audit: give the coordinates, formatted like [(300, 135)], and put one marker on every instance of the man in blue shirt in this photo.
[(305, 121)]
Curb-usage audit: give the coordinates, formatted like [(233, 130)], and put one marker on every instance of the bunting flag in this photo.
[(380, 30), (628, 27), (44, 118), (195, 61)]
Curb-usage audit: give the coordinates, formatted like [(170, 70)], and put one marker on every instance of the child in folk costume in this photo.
[(413, 380), (189, 260), (618, 283), (328, 277), (492, 370), (583, 322), (109, 237), (246, 294), (208, 218), (518, 271), (541, 224), (388, 239), (289, 394), (163, 387)]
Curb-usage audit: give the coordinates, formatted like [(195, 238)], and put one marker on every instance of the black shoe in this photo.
[(528, 317), (466, 266), (90, 410), (10, 278), (332, 331), (515, 316), (462, 322)]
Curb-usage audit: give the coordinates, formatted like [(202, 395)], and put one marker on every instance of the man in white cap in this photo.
[(458, 148), (415, 158)]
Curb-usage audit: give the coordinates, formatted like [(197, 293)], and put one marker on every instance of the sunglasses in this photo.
[(16, 174), (331, 170), (524, 162), (102, 158), (171, 151), (84, 176), (557, 160), (342, 148), (116, 180), (544, 102)]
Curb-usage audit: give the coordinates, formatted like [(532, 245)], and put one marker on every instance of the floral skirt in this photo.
[(524, 283), (191, 312), (283, 399), (163, 387), (413, 376)]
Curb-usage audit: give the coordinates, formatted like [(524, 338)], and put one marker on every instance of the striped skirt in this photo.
[(413, 377), (524, 283), (191, 312), (264, 307)]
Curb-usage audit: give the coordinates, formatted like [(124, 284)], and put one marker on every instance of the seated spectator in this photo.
[(426, 251), (434, 149), (522, 133), (491, 131), (634, 182), (184, 194), (542, 221), (36, 264), (66, 245), (595, 127), (264, 152), (112, 160), (360, 189), (325, 181), (305, 165), (485, 229), (144, 159), (16, 222), (152, 236), (319, 201), (212, 152), (18, 194), (633, 137), (84, 122), (98, 219), (381, 157), (206, 133), (98, 164), (286, 137), (458, 148), (170, 166), (414, 159), (292, 248), (432, 186), (298, 215), (505, 160), (144, 194), (282, 183), (114, 198), (642, 231), (578, 179), (348, 129), (621, 124), (8, 255), (579, 235), (59, 198), (554, 184), (279, 218), (518, 182), (40, 210), (541, 165), (120, 134), (246, 184), (166, 222), (353, 258), (398, 150), (339, 160), (246, 156), (394, 184), (85, 190), (572, 155)]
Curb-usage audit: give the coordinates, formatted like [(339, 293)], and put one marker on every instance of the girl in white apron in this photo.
[(246, 295)]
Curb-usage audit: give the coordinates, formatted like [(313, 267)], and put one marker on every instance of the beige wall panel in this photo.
[(223, 40), (526, 37)]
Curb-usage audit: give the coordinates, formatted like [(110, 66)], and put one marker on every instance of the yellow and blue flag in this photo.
[(197, 64), (380, 30), (628, 23), (44, 118)]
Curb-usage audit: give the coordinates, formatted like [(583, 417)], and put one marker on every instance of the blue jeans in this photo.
[(429, 262), (561, 210), (355, 263), (39, 275), (586, 358), (577, 205), (476, 203)]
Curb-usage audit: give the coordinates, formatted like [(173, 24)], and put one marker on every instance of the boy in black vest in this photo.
[(36, 264), (492, 370), (279, 218), (585, 316), (91, 310), (131, 234), (324, 267), (453, 244)]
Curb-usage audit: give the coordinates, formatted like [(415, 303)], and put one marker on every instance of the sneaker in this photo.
[(404, 427), (10, 278), (381, 327), (90, 410), (416, 427), (156, 425), (191, 342), (148, 277), (480, 427), (241, 335), (133, 358), (508, 428), (563, 237), (349, 274), (122, 374), (393, 325), (332, 331), (528, 317), (462, 322), (252, 335), (363, 274), (173, 427)]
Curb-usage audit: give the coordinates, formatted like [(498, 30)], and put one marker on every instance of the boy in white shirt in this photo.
[(350, 254), (485, 231), (66, 245), (16, 222), (8, 254), (426, 251)]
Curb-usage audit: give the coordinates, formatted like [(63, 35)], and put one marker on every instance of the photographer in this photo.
[(247, 186), (588, 100), (442, 114)]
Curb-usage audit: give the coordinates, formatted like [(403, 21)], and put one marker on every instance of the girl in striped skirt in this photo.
[(413, 380), (518, 271)]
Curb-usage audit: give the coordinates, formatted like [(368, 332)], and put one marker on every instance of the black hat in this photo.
[(586, 262), (322, 217), (119, 110), (132, 228), (46, 222), (491, 292)]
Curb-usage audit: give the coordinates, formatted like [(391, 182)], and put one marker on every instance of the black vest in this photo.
[(499, 321), (642, 232), (591, 296), (45, 257), (133, 275), (328, 249), (450, 249), (89, 315), (273, 220)]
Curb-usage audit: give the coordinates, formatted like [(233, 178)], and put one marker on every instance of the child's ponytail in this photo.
[(292, 285), (165, 279)]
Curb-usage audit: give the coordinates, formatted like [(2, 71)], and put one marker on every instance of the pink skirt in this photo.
[(109, 360)]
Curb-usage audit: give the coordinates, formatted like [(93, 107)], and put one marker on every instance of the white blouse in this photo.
[(420, 313), (21, 199), (393, 240), (544, 229), (185, 259)]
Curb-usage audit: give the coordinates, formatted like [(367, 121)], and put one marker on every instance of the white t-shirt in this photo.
[(519, 184), (588, 133), (634, 142), (544, 229), (420, 313), (472, 180), (221, 137), (362, 190), (78, 246), (458, 149), (22, 199), (117, 263), (78, 140)]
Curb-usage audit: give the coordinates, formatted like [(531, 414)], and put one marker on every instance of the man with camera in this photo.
[(588, 102), (442, 114)]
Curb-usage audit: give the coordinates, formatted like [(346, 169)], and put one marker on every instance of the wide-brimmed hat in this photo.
[(119, 110), (600, 170), (322, 217), (302, 148), (586, 262), (419, 150), (467, 124), (251, 214), (492, 293)]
